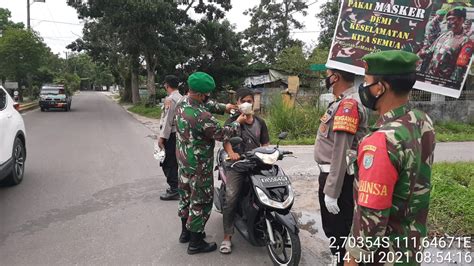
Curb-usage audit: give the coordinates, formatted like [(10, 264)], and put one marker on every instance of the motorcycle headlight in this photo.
[(268, 158), (275, 204)]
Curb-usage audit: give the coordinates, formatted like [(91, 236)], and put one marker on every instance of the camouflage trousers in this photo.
[(196, 193)]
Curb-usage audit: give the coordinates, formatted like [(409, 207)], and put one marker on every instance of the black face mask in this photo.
[(367, 99), (206, 98), (328, 82)]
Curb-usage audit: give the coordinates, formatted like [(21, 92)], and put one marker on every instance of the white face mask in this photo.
[(246, 108)]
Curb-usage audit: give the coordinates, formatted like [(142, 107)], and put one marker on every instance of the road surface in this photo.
[(90, 195)]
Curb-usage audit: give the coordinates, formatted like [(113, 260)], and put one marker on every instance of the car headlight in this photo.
[(268, 158), (275, 204)]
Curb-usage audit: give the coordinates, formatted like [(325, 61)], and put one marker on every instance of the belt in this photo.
[(324, 168)]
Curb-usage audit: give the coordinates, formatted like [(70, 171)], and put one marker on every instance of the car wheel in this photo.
[(19, 158), (42, 109)]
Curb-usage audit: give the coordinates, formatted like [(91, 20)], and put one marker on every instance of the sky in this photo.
[(58, 24)]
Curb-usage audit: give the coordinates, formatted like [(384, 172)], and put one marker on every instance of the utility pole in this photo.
[(28, 14), (28, 23)]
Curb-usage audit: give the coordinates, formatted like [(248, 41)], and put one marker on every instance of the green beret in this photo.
[(393, 62), (441, 12), (201, 82)]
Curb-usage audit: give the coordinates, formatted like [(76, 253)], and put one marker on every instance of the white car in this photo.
[(12, 141)]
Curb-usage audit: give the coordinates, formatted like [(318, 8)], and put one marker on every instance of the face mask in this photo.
[(367, 99), (206, 98), (246, 108), (328, 82)]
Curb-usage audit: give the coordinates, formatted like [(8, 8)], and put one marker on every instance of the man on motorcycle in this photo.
[(254, 133)]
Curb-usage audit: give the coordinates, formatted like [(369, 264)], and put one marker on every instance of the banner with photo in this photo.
[(439, 31)]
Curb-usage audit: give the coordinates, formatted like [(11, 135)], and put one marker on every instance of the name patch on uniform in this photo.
[(377, 175), (325, 118), (347, 117)]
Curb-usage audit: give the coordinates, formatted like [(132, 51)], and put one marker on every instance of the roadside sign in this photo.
[(11, 85), (317, 67)]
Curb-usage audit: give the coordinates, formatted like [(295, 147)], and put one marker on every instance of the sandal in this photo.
[(226, 247)]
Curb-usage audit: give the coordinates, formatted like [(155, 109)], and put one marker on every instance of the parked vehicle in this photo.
[(263, 214), (12, 141), (54, 96)]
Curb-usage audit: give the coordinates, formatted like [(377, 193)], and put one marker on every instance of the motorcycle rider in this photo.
[(254, 133)]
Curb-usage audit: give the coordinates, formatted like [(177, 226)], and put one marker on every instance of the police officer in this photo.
[(167, 137), (392, 188), (342, 126), (197, 131)]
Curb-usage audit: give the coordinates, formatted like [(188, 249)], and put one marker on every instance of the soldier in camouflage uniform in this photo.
[(445, 50), (392, 187), (433, 31), (197, 131)]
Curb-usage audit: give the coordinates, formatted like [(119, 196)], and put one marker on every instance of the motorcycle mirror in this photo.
[(236, 141), (283, 135)]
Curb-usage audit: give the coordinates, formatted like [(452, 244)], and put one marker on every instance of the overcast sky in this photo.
[(58, 24)]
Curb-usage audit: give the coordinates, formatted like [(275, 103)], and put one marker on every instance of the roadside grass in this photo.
[(452, 205), (454, 131), (150, 112)]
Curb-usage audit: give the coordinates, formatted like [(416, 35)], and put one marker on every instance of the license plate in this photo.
[(52, 103), (275, 181)]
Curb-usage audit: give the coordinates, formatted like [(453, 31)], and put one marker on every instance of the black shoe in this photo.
[(185, 233), (170, 195), (198, 245)]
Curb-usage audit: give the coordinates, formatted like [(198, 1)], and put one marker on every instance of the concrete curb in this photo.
[(28, 106)]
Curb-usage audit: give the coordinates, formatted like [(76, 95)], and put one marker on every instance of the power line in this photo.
[(58, 22)]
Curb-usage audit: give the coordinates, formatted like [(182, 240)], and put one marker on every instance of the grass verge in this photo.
[(454, 131), (452, 205), (150, 112)]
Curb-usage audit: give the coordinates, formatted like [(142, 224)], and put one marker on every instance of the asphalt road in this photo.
[(90, 195)]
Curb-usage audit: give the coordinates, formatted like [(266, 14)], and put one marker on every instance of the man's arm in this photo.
[(168, 118), (345, 126), (264, 135), (378, 162), (213, 130)]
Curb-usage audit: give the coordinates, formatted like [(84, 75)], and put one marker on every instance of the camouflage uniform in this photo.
[(197, 131), (444, 54), (433, 30), (392, 187)]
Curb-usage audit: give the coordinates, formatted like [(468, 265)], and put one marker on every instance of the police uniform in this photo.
[(392, 187), (342, 126), (168, 132)]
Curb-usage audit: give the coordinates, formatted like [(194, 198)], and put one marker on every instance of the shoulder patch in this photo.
[(347, 117), (377, 175), (167, 104)]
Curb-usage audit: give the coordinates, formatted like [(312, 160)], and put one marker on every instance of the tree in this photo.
[(328, 20), (5, 21), (292, 60), (213, 9), (217, 51), (270, 26), (22, 53)]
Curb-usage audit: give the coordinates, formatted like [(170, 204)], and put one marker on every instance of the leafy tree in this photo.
[(270, 26), (5, 21), (213, 9), (328, 20), (292, 60), (22, 53), (218, 51)]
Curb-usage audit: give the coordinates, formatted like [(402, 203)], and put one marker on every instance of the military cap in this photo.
[(458, 11), (392, 62), (441, 12), (201, 82)]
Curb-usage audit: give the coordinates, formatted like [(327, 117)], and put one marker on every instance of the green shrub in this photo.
[(452, 205), (301, 122), (150, 112), (454, 131)]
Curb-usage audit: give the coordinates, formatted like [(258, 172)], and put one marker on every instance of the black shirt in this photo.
[(254, 135)]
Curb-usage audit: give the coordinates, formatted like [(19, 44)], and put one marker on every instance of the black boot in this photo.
[(198, 245), (170, 194), (185, 233)]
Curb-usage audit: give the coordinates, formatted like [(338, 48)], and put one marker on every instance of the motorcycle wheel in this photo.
[(287, 247)]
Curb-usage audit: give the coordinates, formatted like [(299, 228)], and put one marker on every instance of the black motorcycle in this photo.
[(263, 214)]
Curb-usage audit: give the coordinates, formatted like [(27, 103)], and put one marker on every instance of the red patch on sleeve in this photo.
[(347, 117), (377, 175)]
